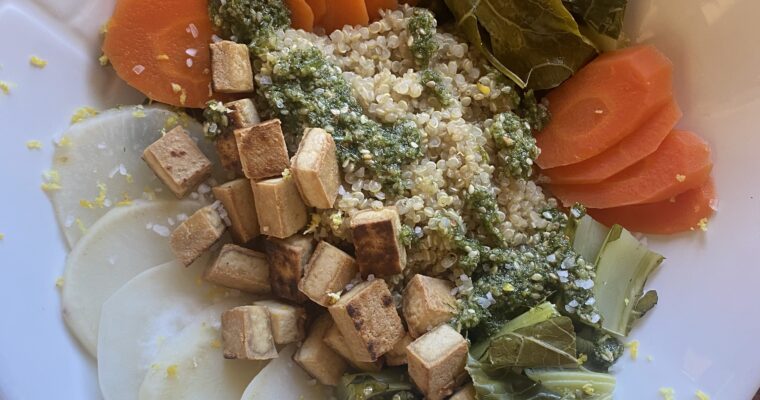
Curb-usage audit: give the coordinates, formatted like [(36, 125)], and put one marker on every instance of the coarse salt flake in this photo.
[(680, 178), (191, 52), (138, 69), (192, 30), (189, 62), (161, 230)]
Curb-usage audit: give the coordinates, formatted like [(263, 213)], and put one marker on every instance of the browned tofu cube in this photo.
[(376, 239), (237, 198), (329, 270), (287, 261), (178, 162), (319, 360), (315, 168), (231, 70), (242, 114), (287, 321), (247, 334), (335, 340), (466, 392), (397, 355), (240, 268), (196, 234), (262, 150), (428, 302), (279, 207), (436, 361), (367, 318)]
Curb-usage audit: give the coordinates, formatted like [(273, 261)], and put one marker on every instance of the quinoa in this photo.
[(456, 153)]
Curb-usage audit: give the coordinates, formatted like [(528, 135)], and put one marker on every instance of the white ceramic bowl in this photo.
[(702, 335)]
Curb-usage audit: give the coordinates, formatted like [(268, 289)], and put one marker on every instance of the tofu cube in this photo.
[(279, 207), (287, 261), (243, 115), (237, 198), (315, 169), (319, 360), (288, 322), (231, 70), (335, 340), (397, 355), (367, 319), (196, 234), (240, 268), (466, 392), (437, 360), (427, 303), (262, 150), (376, 239), (247, 334), (329, 271), (178, 162)]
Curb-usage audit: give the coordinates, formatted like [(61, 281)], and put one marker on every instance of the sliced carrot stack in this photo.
[(319, 9), (375, 6), (161, 49), (633, 148), (682, 213), (344, 12), (301, 15), (682, 162), (603, 103)]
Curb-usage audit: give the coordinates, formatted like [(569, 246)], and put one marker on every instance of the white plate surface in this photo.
[(702, 335)]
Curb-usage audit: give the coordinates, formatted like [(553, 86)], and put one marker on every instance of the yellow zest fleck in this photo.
[(508, 287), (333, 297), (52, 181), (162, 57), (64, 142), (104, 28), (37, 62), (286, 174), (702, 395), (680, 178), (588, 389), (101, 199), (702, 224), (49, 187), (139, 112), (129, 178), (171, 122), (171, 371), (176, 88), (125, 200), (83, 113), (314, 224), (86, 204), (80, 225), (582, 359), (484, 89), (5, 87), (33, 144), (668, 393), (633, 348), (216, 343), (183, 97), (59, 282), (103, 60)]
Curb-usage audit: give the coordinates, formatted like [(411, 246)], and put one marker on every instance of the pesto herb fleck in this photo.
[(514, 143), (534, 112), (252, 22), (483, 205), (421, 28), (433, 83), (216, 120)]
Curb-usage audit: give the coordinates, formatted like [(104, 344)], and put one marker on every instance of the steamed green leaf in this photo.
[(603, 16), (388, 384), (505, 384), (535, 43), (550, 343)]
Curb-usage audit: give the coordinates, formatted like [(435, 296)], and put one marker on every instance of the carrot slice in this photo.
[(319, 9), (682, 213), (301, 15), (345, 12), (630, 150), (604, 102), (161, 49), (682, 162), (374, 7)]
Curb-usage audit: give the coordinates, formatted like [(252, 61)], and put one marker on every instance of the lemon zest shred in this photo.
[(86, 204), (80, 225), (702, 224), (483, 89), (171, 371), (633, 348), (103, 60), (5, 87), (162, 57), (82, 113), (216, 343), (33, 144), (125, 200), (37, 62), (59, 282), (702, 395), (668, 393), (49, 187), (65, 141)]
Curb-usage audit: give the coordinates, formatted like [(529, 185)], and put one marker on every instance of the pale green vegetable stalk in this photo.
[(589, 237), (574, 382)]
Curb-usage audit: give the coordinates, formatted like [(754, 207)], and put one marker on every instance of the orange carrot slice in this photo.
[(161, 49), (682, 213), (631, 149), (345, 12), (604, 102), (682, 162), (374, 7), (319, 9), (301, 15)]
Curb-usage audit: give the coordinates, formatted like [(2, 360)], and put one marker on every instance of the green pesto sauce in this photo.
[(421, 28), (433, 83), (249, 21), (483, 204), (217, 121), (515, 145), (306, 90)]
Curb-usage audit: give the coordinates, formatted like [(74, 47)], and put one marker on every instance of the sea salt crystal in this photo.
[(138, 69), (69, 221), (193, 30), (584, 283), (162, 230), (191, 52), (189, 62)]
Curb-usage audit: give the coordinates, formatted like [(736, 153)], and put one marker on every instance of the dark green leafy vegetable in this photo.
[(548, 343), (601, 349), (505, 384), (603, 16), (389, 384), (535, 43)]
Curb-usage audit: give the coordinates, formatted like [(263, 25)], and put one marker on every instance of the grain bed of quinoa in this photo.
[(378, 65)]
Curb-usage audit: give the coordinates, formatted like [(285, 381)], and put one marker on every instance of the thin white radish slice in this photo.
[(98, 164), (151, 308), (123, 243), (190, 366), (282, 378)]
